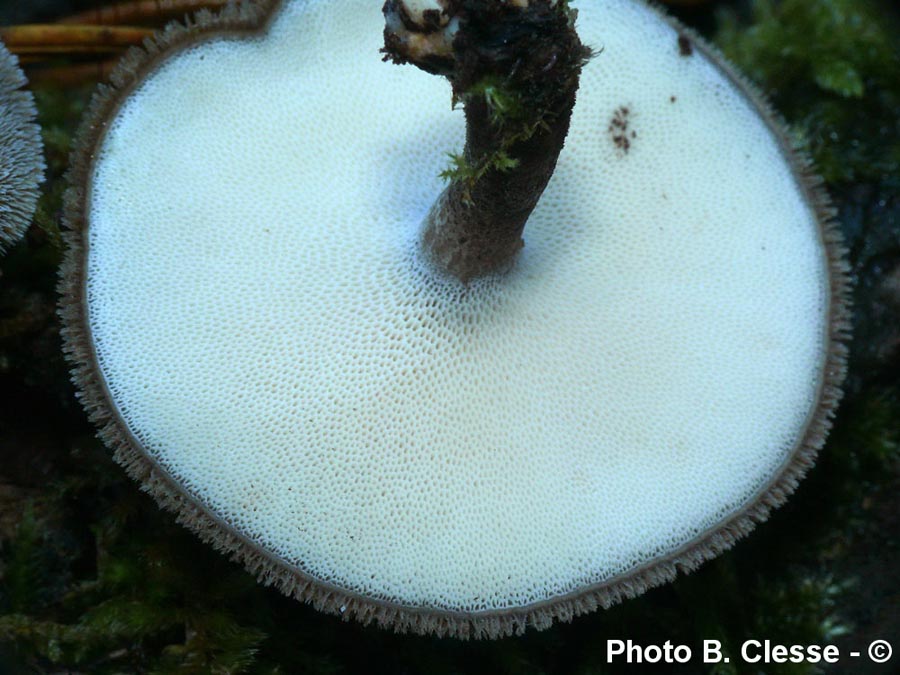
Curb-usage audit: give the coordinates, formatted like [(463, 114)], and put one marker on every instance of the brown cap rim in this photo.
[(247, 19)]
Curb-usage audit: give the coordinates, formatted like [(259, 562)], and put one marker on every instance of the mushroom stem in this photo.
[(514, 65)]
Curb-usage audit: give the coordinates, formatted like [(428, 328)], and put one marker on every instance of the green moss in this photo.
[(504, 104), (830, 66), (514, 120)]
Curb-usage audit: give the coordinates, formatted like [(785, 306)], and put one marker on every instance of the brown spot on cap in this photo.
[(685, 48), (620, 131)]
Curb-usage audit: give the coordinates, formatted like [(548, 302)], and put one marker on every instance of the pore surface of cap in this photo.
[(272, 353)]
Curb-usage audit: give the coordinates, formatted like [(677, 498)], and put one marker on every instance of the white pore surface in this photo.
[(268, 331)]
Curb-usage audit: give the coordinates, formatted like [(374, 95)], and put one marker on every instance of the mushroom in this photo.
[(268, 346), (21, 152)]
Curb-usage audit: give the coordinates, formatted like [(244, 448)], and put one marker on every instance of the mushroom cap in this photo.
[(21, 152), (255, 332)]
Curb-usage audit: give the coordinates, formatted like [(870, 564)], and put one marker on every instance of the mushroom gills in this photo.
[(21, 152)]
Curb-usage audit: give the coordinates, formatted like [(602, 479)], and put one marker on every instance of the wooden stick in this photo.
[(33, 38), (70, 75), (141, 12), (62, 51)]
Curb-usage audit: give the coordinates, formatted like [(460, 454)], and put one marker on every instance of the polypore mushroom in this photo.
[(274, 348), (21, 152)]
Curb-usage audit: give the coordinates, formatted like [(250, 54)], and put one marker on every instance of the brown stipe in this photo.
[(197, 516), (515, 68)]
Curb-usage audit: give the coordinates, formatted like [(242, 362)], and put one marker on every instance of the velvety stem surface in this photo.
[(514, 66)]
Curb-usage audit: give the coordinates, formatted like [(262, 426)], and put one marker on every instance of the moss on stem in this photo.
[(514, 66)]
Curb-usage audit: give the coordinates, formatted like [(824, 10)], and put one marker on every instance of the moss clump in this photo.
[(830, 66)]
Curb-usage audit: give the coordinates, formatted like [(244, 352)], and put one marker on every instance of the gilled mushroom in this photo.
[(21, 152), (274, 349)]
